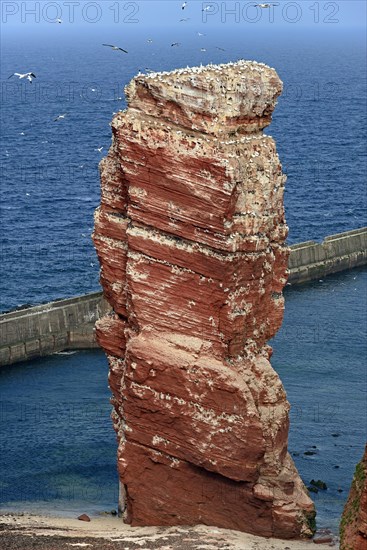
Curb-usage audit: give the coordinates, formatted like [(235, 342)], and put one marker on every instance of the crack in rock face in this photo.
[(190, 235)]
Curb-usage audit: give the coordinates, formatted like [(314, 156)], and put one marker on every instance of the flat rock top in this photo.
[(226, 72), (211, 98)]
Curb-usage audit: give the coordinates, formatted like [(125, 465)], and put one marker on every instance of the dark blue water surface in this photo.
[(50, 182), (58, 449), (320, 354), (58, 445)]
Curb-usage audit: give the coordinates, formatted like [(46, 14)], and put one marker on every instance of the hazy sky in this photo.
[(168, 13)]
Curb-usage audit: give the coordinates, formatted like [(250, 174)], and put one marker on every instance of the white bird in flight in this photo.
[(184, 5), (28, 76), (115, 47), (59, 117), (262, 6), (99, 149), (207, 8), (59, 21)]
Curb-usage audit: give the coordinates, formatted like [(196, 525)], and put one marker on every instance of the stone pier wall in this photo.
[(310, 260), (48, 328)]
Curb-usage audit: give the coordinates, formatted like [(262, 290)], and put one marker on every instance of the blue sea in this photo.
[(57, 443)]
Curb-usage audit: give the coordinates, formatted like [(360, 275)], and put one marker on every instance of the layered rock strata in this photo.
[(190, 237), (353, 525)]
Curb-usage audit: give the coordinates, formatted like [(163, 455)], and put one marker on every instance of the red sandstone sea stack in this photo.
[(190, 237)]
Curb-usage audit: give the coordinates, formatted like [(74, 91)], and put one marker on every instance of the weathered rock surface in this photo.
[(190, 236), (353, 525)]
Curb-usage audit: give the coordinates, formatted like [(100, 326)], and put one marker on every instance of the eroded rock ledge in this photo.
[(353, 525), (190, 236)]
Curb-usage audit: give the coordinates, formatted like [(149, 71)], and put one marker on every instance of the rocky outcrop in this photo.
[(190, 236), (353, 525)]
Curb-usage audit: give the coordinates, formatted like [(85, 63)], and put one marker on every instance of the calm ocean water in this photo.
[(50, 182), (58, 445)]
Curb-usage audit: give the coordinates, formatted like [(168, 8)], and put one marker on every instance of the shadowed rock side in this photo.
[(190, 236), (353, 525)]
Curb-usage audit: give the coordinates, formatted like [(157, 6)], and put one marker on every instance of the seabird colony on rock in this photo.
[(250, 65)]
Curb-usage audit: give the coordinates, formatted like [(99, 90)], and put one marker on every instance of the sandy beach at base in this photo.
[(28, 531)]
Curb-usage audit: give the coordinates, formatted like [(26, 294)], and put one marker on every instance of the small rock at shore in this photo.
[(84, 517), (323, 539), (323, 536), (319, 484)]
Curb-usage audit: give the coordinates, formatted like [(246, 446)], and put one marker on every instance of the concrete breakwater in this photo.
[(69, 324), (310, 260), (49, 328)]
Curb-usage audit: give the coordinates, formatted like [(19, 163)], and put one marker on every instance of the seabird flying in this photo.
[(175, 44), (201, 34), (59, 21), (184, 19), (115, 47), (221, 49), (149, 40), (28, 76), (184, 5), (59, 117), (99, 149), (264, 5), (207, 8)]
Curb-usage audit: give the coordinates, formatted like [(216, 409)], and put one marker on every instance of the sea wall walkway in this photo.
[(69, 324)]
